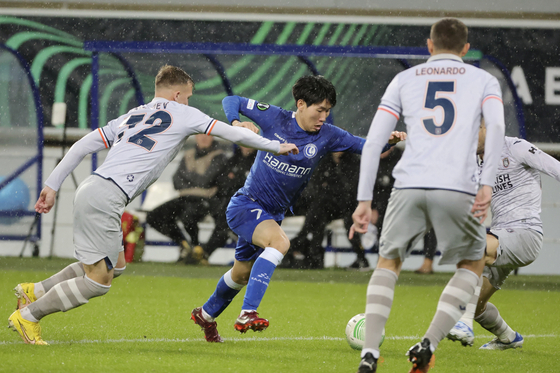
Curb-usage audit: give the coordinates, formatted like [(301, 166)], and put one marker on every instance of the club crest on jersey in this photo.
[(310, 150), (130, 178), (505, 162), (262, 106)]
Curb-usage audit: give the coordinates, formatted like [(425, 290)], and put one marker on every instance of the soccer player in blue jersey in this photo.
[(256, 211)]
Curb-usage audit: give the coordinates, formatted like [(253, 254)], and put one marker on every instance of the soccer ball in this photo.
[(356, 332)]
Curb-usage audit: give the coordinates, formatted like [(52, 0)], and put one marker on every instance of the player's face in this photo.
[(311, 118), (183, 94)]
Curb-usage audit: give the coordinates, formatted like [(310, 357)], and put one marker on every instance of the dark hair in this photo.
[(314, 90), (168, 76), (449, 34)]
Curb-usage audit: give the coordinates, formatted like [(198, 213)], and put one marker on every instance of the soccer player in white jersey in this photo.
[(141, 142), (442, 102), (515, 237)]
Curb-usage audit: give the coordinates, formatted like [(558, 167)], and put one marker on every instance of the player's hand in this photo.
[(396, 137), (361, 217), (286, 149), (248, 125), (45, 201), (482, 203)]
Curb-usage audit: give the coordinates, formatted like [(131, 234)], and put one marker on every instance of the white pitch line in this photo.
[(249, 339)]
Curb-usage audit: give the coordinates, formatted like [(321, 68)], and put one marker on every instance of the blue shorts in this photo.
[(243, 215)]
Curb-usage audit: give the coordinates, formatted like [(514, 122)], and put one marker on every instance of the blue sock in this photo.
[(225, 291), (262, 271)]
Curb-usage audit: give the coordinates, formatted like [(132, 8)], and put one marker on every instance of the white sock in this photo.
[(38, 290), (27, 315)]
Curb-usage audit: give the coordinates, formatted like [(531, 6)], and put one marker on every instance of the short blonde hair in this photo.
[(168, 76)]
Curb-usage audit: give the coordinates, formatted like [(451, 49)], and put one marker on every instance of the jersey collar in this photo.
[(445, 56), (159, 99)]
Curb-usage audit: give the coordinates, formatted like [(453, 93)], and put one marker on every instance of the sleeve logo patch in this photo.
[(505, 162), (250, 104), (262, 106)]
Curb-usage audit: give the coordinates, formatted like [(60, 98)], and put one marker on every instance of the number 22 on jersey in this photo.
[(158, 122), (434, 100)]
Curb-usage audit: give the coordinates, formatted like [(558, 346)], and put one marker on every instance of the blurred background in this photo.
[(57, 82)]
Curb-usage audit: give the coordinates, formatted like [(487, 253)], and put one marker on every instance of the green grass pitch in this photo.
[(143, 324)]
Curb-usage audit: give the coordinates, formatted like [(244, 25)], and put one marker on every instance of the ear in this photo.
[(300, 104), (176, 95), (465, 49), (430, 45)]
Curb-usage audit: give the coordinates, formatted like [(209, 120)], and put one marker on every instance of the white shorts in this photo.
[(518, 248), (98, 208), (411, 213)]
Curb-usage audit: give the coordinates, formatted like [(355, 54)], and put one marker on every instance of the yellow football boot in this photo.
[(25, 293), (29, 331)]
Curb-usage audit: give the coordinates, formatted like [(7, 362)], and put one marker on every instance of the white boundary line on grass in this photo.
[(250, 339)]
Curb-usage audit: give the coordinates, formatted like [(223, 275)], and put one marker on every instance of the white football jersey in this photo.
[(516, 195), (442, 102), (143, 142)]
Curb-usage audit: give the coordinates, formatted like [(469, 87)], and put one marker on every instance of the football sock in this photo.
[(468, 316), (262, 271), (452, 304), (491, 320), (225, 291), (64, 296), (71, 271), (118, 271), (380, 293)]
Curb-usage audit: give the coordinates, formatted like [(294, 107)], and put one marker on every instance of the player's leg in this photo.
[(404, 210), (488, 316), (98, 207), (273, 239), (29, 292), (164, 220), (463, 329), (491, 320), (517, 248), (243, 216), (227, 288), (461, 238), (356, 242), (63, 296)]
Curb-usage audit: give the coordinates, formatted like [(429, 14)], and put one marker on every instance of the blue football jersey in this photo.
[(277, 181)]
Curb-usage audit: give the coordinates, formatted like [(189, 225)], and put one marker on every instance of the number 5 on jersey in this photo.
[(434, 100)]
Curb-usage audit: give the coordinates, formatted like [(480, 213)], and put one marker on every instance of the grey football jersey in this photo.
[(516, 195)]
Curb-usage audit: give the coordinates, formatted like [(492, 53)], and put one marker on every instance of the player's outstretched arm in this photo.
[(247, 138), (482, 203), (361, 218), (45, 201), (249, 125)]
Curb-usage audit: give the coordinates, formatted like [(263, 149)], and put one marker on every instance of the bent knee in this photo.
[(281, 243)]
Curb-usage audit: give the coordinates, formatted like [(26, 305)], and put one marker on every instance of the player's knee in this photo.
[(240, 278), (280, 243)]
